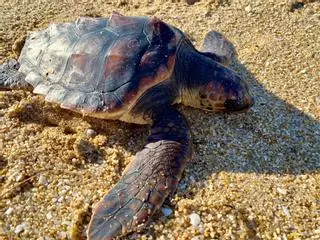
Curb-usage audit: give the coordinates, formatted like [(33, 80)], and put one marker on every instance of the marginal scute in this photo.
[(33, 78), (88, 24), (158, 31), (42, 89), (117, 19), (93, 102), (56, 94), (111, 102), (73, 99), (26, 66), (124, 25)]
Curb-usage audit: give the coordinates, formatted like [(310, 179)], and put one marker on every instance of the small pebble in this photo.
[(91, 133), (214, 133), (286, 211), (21, 227), (9, 211), (19, 177), (195, 219), (281, 191), (49, 216), (67, 223), (192, 179), (63, 235), (166, 211), (231, 217), (42, 180), (247, 8), (74, 160)]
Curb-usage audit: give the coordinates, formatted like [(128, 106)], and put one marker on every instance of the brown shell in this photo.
[(100, 66)]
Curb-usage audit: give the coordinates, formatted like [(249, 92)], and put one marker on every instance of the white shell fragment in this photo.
[(195, 219), (43, 180), (21, 227), (91, 133), (8, 211), (282, 191), (49, 215)]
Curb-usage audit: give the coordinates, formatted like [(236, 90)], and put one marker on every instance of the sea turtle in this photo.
[(133, 69)]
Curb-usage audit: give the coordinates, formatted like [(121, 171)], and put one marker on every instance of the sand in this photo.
[(253, 175)]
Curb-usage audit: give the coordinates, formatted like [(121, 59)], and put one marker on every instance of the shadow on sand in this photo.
[(274, 137)]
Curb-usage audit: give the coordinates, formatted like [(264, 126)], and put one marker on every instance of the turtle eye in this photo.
[(231, 104)]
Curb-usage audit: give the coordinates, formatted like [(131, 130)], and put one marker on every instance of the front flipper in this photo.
[(217, 47), (11, 78), (147, 181)]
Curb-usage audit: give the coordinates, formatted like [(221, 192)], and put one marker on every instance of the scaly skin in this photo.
[(152, 175), (11, 78)]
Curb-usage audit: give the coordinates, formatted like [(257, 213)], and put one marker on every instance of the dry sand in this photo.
[(253, 175)]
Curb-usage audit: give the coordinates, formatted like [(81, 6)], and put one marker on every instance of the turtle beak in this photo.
[(239, 105)]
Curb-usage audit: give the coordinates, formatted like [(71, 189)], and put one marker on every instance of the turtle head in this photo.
[(224, 95), (226, 92), (212, 86)]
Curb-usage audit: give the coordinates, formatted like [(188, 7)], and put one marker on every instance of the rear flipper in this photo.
[(217, 47), (147, 181), (11, 78)]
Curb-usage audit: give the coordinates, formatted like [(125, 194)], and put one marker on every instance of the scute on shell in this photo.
[(99, 65)]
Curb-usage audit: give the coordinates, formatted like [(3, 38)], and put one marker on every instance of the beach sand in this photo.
[(253, 175)]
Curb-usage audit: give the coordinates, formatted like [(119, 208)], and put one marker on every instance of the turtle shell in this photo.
[(100, 66)]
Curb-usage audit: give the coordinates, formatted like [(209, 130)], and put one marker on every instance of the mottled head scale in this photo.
[(133, 69)]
